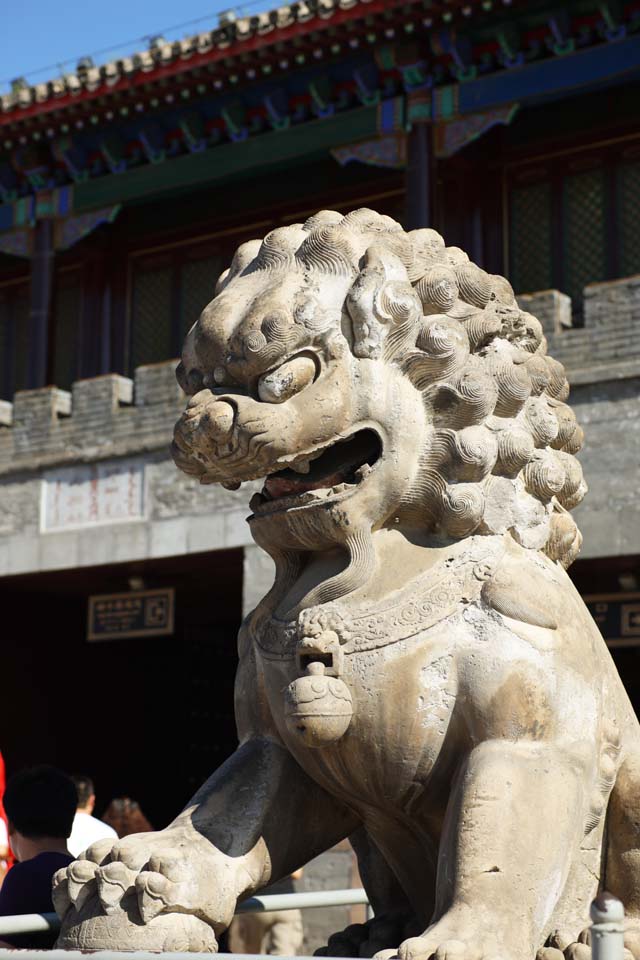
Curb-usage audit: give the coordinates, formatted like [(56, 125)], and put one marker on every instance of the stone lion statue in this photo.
[(422, 678)]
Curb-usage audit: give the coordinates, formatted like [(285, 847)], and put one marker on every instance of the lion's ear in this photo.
[(380, 300)]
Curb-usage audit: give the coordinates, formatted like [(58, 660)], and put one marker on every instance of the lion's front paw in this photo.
[(154, 891), (457, 936)]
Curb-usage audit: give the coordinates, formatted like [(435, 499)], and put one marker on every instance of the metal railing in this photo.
[(607, 929), (43, 922)]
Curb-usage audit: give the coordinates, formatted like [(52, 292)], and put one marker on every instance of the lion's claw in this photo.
[(421, 948), (60, 892), (154, 894), (113, 881), (170, 867), (100, 852), (549, 953), (82, 882), (452, 950)]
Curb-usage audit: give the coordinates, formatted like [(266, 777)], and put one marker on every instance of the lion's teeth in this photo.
[(364, 470), (302, 466)]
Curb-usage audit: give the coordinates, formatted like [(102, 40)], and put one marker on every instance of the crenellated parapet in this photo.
[(96, 459), (607, 345), (112, 416), (105, 416)]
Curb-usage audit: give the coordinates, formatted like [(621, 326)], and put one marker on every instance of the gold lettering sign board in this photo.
[(617, 616), (120, 616)]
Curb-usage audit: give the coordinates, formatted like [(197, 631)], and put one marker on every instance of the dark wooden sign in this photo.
[(617, 616), (143, 613)]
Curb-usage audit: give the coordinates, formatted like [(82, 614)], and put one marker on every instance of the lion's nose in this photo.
[(210, 416), (219, 417)]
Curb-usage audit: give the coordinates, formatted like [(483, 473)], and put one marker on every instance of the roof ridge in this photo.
[(244, 34)]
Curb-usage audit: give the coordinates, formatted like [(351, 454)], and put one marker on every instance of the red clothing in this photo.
[(10, 859), (3, 783)]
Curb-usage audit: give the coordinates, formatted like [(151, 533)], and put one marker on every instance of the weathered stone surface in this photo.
[(422, 678)]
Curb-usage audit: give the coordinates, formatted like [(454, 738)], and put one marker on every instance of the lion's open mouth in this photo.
[(344, 464)]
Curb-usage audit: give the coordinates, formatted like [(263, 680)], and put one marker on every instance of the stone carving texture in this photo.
[(422, 677)]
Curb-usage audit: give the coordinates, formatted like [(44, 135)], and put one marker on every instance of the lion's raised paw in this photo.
[(143, 893)]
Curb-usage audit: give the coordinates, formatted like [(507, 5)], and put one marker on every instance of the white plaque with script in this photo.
[(91, 494)]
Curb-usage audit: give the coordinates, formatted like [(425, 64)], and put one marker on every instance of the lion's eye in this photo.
[(289, 379)]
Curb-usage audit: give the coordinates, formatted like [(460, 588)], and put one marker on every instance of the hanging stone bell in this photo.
[(318, 709)]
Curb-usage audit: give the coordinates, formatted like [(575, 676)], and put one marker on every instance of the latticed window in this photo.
[(14, 318), (168, 292), (584, 231), (66, 311), (197, 284), (628, 190), (531, 237), (151, 313), (573, 220)]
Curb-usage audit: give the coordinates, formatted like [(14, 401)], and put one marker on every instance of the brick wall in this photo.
[(611, 331)]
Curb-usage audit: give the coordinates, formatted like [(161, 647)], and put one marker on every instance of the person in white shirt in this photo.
[(87, 828)]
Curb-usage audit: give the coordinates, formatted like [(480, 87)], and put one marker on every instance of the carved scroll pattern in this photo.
[(452, 583)]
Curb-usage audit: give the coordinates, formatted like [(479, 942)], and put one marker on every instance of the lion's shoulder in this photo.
[(530, 589)]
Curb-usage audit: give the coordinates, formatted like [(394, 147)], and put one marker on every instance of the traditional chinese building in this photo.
[(511, 126)]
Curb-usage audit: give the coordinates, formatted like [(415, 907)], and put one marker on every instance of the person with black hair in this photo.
[(87, 828), (40, 803)]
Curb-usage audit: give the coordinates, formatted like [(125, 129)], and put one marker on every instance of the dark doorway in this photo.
[(617, 581), (147, 718)]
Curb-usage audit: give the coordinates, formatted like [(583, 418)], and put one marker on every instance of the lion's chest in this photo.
[(376, 731), (363, 692)]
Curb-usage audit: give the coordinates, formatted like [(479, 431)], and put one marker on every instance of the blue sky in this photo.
[(40, 34)]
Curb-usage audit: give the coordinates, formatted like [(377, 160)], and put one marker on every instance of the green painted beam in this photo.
[(228, 160)]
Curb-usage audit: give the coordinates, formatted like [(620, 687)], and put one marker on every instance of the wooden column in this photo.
[(40, 284), (419, 178)]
